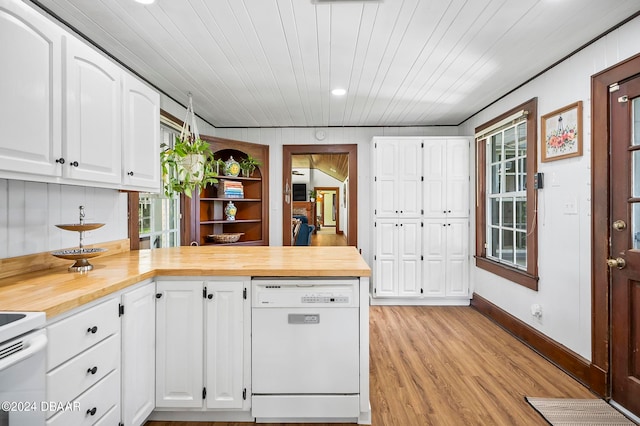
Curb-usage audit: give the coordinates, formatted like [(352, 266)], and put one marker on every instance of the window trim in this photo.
[(529, 277)]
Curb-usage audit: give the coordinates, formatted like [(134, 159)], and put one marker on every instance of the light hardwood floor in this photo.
[(451, 366), (327, 237)]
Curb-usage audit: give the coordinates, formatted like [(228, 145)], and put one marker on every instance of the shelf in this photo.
[(212, 222), (229, 199), (257, 179)]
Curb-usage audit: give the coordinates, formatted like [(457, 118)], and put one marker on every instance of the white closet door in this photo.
[(409, 256), (458, 178)]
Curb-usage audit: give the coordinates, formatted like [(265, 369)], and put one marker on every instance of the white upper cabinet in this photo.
[(446, 169), (70, 114), (141, 144), (398, 174), (30, 88), (93, 106)]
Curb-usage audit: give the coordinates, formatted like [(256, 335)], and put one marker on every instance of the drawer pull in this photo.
[(92, 412), (93, 370), (92, 330)]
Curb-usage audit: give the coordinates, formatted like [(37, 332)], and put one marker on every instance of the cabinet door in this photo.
[(386, 262), (458, 178), (435, 265), (409, 258), (138, 354), (30, 84), (179, 334), (93, 133), (409, 184), (386, 177), (457, 265), (435, 187), (141, 168), (224, 344)]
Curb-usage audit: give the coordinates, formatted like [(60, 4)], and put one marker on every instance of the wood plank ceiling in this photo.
[(266, 63), (334, 165)]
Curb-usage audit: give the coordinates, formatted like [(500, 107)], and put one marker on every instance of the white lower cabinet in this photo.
[(446, 258), (179, 355), (398, 264), (138, 315), (83, 365), (201, 344)]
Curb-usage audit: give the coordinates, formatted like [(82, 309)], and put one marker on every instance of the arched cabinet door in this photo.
[(93, 131), (31, 89)]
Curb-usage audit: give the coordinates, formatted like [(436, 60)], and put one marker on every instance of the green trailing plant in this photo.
[(181, 172), (249, 164)]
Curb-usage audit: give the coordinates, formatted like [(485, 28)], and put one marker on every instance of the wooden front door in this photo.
[(624, 256)]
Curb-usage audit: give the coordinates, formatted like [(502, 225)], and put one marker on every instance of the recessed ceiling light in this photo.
[(338, 92), (145, 1)]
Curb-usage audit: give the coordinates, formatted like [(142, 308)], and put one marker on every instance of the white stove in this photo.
[(23, 340)]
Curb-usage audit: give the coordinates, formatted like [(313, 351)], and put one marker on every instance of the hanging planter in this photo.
[(188, 166)]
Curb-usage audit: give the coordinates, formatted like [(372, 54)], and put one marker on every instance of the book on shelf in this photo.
[(231, 189)]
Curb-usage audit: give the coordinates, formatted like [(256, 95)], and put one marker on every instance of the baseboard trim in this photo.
[(564, 358), (399, 301)]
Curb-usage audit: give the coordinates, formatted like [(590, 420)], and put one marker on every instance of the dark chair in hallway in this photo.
[(304, 233)]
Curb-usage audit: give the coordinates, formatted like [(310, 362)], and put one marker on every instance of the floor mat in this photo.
[(563, 411)]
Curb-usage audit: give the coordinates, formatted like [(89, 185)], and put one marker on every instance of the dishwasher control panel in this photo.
[(319, 293)]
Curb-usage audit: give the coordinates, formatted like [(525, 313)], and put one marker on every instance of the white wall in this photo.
[(564, 238), (29, 212), (277, 137)]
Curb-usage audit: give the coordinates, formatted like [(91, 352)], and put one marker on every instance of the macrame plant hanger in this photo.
[(193, 134)]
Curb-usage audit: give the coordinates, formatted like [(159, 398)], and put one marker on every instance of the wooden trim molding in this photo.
[(352, 194), (567, 360)]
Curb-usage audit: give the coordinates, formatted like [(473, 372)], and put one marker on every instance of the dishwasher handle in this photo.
[(33, 345)]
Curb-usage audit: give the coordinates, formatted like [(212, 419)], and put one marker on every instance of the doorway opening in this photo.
[(328, 174)]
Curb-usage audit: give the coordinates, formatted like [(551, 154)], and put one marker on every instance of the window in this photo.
[(506, 231), (159, 216)]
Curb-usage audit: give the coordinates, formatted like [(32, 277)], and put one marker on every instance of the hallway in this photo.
[(327, 236)]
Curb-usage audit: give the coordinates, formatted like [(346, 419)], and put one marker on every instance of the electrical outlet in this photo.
[(536, 310)]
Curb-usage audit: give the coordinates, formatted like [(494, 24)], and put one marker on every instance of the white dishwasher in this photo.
[(305, 348)]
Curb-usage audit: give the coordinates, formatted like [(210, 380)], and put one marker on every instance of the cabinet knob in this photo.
[(130, 173), (93, 370), (210, 296), (92, 411), (60, 160), (92, 330), (74, 164), (158, 295)]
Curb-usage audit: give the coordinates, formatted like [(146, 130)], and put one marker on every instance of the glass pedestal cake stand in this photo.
[(81, 255)]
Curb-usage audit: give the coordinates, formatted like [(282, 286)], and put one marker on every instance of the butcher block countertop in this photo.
[(55, 291)]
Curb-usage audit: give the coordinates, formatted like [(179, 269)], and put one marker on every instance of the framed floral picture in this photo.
[(562, 133)]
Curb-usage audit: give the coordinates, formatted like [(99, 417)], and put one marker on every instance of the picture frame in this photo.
[(561, 133)]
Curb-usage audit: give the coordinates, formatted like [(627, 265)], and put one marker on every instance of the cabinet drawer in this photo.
[(73, 335), (112, 417), (91, 405), (73, 377)]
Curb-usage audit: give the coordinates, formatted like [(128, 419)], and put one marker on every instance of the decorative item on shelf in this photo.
[(231, 189), (225, 238), (230, 211), (231, 167), (188, 166), (312, 195), (81, 254), (248, 165)]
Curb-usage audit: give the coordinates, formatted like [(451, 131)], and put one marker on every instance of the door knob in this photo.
[(619, 225), (617, 263)]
